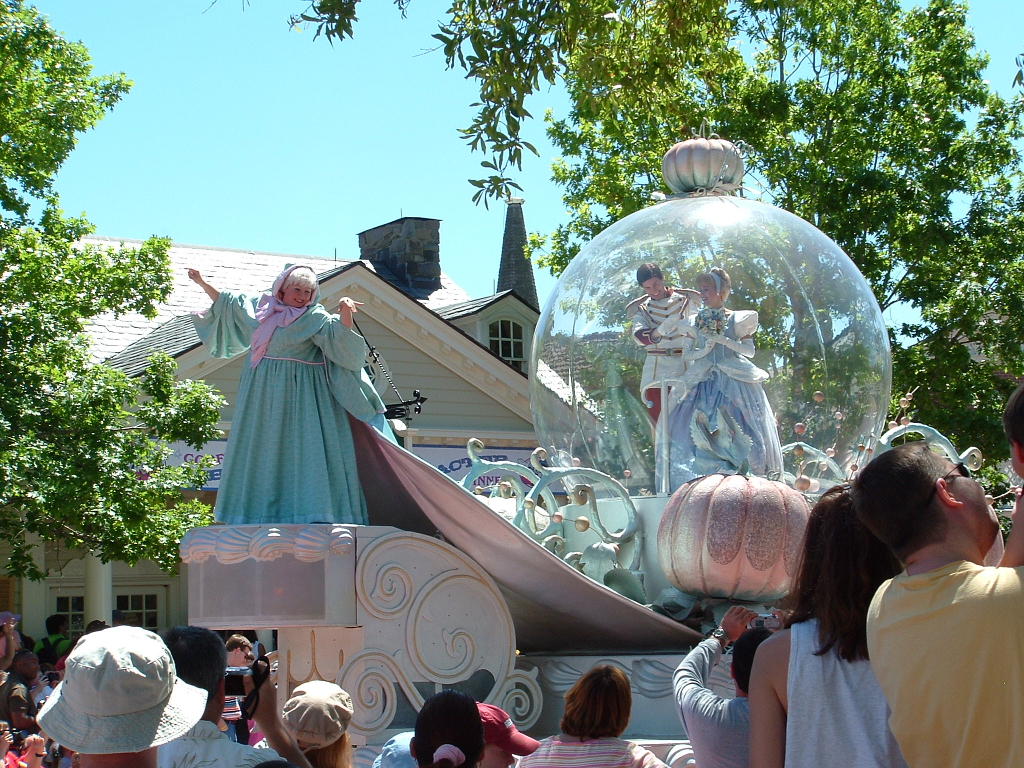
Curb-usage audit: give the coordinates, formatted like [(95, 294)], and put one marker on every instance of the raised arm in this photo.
[(12, 645), (268, 719), (346, 308), (195, 277)]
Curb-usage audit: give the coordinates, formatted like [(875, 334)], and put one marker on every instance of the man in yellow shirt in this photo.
[(946, 636)]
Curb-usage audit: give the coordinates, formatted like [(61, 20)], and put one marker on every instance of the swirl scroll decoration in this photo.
[(522, 697), (429, 615), (369, 677), (539, 516)]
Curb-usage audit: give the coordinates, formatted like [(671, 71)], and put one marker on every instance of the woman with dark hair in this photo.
[(814, 700), (449, 732), (597, 710)]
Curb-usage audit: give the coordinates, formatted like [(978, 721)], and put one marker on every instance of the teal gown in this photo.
[(290, 456)]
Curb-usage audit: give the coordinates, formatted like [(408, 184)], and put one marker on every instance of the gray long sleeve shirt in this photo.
[(717, 727)]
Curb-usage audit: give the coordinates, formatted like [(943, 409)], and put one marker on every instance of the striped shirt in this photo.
[(594, 753), (232, 708), (650, 313)]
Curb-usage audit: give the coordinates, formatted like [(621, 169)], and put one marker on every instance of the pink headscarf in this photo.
[(272, 313)]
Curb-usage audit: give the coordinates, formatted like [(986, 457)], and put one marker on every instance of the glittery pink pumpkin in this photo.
[(732, 536)]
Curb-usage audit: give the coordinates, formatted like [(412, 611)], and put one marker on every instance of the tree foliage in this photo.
[(81, 460), (512, 48), (875, 124)]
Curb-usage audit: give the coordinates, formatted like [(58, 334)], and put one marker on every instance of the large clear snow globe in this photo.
[(818, 339)]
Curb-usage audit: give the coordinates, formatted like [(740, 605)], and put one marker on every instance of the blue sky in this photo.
[(242, 133)]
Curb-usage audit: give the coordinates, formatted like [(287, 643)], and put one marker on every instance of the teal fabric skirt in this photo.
[(290, 456)]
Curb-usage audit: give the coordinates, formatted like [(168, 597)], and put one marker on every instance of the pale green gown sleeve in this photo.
[(345, 352), (227, 326)]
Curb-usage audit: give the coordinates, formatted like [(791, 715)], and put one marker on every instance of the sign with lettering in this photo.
[(454, 461), (182, 454)]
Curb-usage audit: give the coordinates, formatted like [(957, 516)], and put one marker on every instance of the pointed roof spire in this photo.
[(516, 271)]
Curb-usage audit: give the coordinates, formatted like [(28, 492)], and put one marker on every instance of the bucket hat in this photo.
[(120, 694), (318, 713)]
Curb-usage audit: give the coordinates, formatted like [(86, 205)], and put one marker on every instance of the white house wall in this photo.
[(453, 402)]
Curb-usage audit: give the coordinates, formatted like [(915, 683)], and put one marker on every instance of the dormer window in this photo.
[(506, 340)]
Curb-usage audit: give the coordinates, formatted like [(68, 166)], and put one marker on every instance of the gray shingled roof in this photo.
[(237, 270), (175, 337), (471, 307), (449, 293)]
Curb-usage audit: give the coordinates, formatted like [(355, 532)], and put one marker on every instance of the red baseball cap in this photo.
[(500, 731)]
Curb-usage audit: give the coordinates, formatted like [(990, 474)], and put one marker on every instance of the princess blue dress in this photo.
[(720, 419)]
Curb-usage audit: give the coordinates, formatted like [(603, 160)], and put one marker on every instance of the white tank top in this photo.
[(837, 714)]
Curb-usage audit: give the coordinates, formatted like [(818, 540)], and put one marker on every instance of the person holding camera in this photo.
[(239, 655), (716, 726), (202, 660)]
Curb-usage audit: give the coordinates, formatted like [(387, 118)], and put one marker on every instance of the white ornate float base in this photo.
[(391, 616)]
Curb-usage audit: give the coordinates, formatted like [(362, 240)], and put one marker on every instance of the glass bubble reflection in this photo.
[(821, 338)]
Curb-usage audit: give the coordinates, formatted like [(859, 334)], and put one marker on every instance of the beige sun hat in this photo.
[(318, 713), (120, 693)]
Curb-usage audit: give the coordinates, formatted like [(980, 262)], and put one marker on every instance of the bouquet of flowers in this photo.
[(711, 321)]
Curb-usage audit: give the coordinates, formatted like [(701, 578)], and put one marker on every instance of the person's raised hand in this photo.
[(266, 711), (346, 308), (268, 716), (345, 303), (195, 276), (34, 750), (735, 621)]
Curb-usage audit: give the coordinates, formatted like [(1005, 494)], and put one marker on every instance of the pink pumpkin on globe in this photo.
[(732, 536)]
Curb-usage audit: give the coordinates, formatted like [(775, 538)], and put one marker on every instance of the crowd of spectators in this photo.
[(900, 647)]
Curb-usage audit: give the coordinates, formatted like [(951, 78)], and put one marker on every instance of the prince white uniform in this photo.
[(664, 353)]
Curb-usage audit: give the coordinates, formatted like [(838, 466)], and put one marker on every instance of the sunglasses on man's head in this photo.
[(959, 470)]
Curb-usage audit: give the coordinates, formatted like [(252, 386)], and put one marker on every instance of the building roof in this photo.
[(176, 336), (237, 270), (515, 272), (449, 293), (471, 307)]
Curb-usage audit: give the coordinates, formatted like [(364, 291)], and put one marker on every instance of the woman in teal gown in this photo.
[(290, 456)]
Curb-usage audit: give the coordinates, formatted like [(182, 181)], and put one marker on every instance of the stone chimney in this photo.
[(516, 272), (409, 247)]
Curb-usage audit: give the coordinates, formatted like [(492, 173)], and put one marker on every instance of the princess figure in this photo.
[(720, 419)]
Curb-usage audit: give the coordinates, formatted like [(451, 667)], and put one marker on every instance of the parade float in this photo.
[(615, 545)]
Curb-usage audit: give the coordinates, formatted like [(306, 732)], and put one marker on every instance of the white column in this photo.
[(34, 605), (99, 589)]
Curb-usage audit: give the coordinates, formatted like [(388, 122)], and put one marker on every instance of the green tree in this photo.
[(81, 457), (875, 124), (514, 47)]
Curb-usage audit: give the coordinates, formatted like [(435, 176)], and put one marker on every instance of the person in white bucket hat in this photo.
[(120, 699)]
